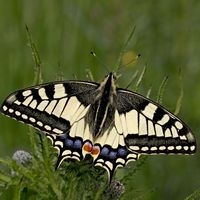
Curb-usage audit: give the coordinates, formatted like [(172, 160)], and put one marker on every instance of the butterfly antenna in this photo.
[(101, 62)]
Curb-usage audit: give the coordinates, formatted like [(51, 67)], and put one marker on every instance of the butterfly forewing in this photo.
[(50, 107), (149, 128)]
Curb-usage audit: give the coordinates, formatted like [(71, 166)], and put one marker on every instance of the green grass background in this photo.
[(167, 36)]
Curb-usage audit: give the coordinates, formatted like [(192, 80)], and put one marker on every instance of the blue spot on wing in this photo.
[(122, 152), (111, 155), (104, 151), (64, 142)]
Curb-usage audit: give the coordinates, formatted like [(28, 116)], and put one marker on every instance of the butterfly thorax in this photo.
[(101, 113)]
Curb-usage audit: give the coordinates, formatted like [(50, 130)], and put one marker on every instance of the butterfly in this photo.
[(113, 125)]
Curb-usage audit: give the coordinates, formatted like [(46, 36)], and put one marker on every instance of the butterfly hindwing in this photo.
[(110, 158), (149, 128), (113, 152), (68, 147)]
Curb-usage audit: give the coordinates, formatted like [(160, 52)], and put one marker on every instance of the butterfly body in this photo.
[(111, 124), (102, 109)]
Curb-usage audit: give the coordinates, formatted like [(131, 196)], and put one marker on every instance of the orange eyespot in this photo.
[(88, 147), (95, 150)]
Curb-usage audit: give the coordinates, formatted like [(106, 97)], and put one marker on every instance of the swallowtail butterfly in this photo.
[(111, 124)]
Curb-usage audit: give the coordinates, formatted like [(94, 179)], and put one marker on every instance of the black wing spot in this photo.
[(183, 131), (36, 96), (19, 96), (50, 91), (169, 124), (68, 89), (142, 105), (158, 115)]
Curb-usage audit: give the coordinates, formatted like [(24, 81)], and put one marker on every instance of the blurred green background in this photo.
[(167, 36)]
